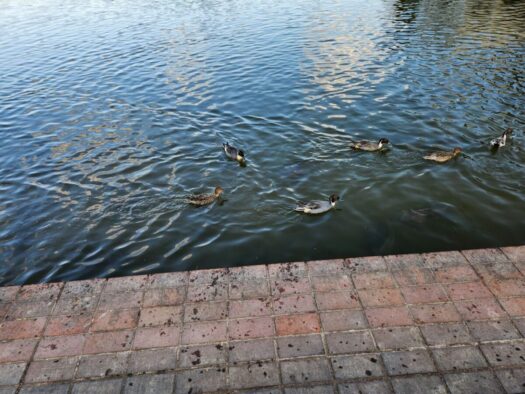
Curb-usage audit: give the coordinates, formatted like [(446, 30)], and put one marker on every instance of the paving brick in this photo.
[(306, 371), (357, 366), (458, 358), (331, 268), (398, 338), (150, 384), (78, 305), (483, 256), (166, 316), (250, 308), (381, 297), (102, 365), (168, 280), (201, 332), (12, 390), (203, 355), (304, 345), (414, 276), (152, 337), (424, 294), (11, 373), (208, 292), (339, 300), (342, 320), (371, 387), (99, 387), (520, 324), (152, 360), (513, 380), (272, 390), (17, 350), (4, 308), (473, 383), (259, 327), (332, 283), (259, 374), (350, 342), (365, 264), (107, 342), (408, 362), (446, 334), (45, 389), (209, 277), (248, 272), (201, 380), (434, 313), (310, 389), (249, 288), (514, 253), (388, 317), (129, 300), (203, 311), (404, 261), (493, 330), (8, 293), (505, 354), (82, 288), (419, 385), (480, 309), (68, 325), (296, 303), (444, 259), (467, 291), (287, 270), (297, 324), (508, 287), (20, 329), (498, 271), (461, 273), (286, 286), (252, 350), (70, 345), (40, 292), (373, 280), (126, 284), (164, 297), (51, 370), (112, 320), (23, 310), (514, 306)]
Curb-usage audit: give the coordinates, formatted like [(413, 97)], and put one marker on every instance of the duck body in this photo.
[(233, 153), (500, 141), (205, 199), (317, 206), (369, 146), (442, 156)]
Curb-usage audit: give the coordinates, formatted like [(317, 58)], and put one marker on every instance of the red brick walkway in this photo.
[(451, 322)]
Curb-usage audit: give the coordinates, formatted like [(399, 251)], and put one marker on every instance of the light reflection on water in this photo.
[(111, 112)]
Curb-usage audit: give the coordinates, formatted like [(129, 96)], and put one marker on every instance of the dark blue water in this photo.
[(112, 111)]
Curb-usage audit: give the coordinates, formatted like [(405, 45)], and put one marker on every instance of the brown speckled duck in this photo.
[(205, 199), (442, 156)]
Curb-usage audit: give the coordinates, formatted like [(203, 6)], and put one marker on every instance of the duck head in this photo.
[(240, 156), (507, 132), (333, 198), (383, 141), (456, 151), (218, 191)]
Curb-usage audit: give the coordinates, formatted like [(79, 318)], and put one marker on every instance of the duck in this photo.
[(500, 141), (205, 199), (369, 146), (233, 153), (316, 207), (442, 156)]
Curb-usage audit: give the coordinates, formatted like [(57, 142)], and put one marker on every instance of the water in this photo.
[(112, 111)]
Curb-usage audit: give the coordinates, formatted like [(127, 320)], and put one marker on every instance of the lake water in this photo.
[(112, 111)]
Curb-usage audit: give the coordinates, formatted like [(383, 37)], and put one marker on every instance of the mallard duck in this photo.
[(205, 199), (233, 153), (317, 207), (442, 156), (369, 146), (500, 141)]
